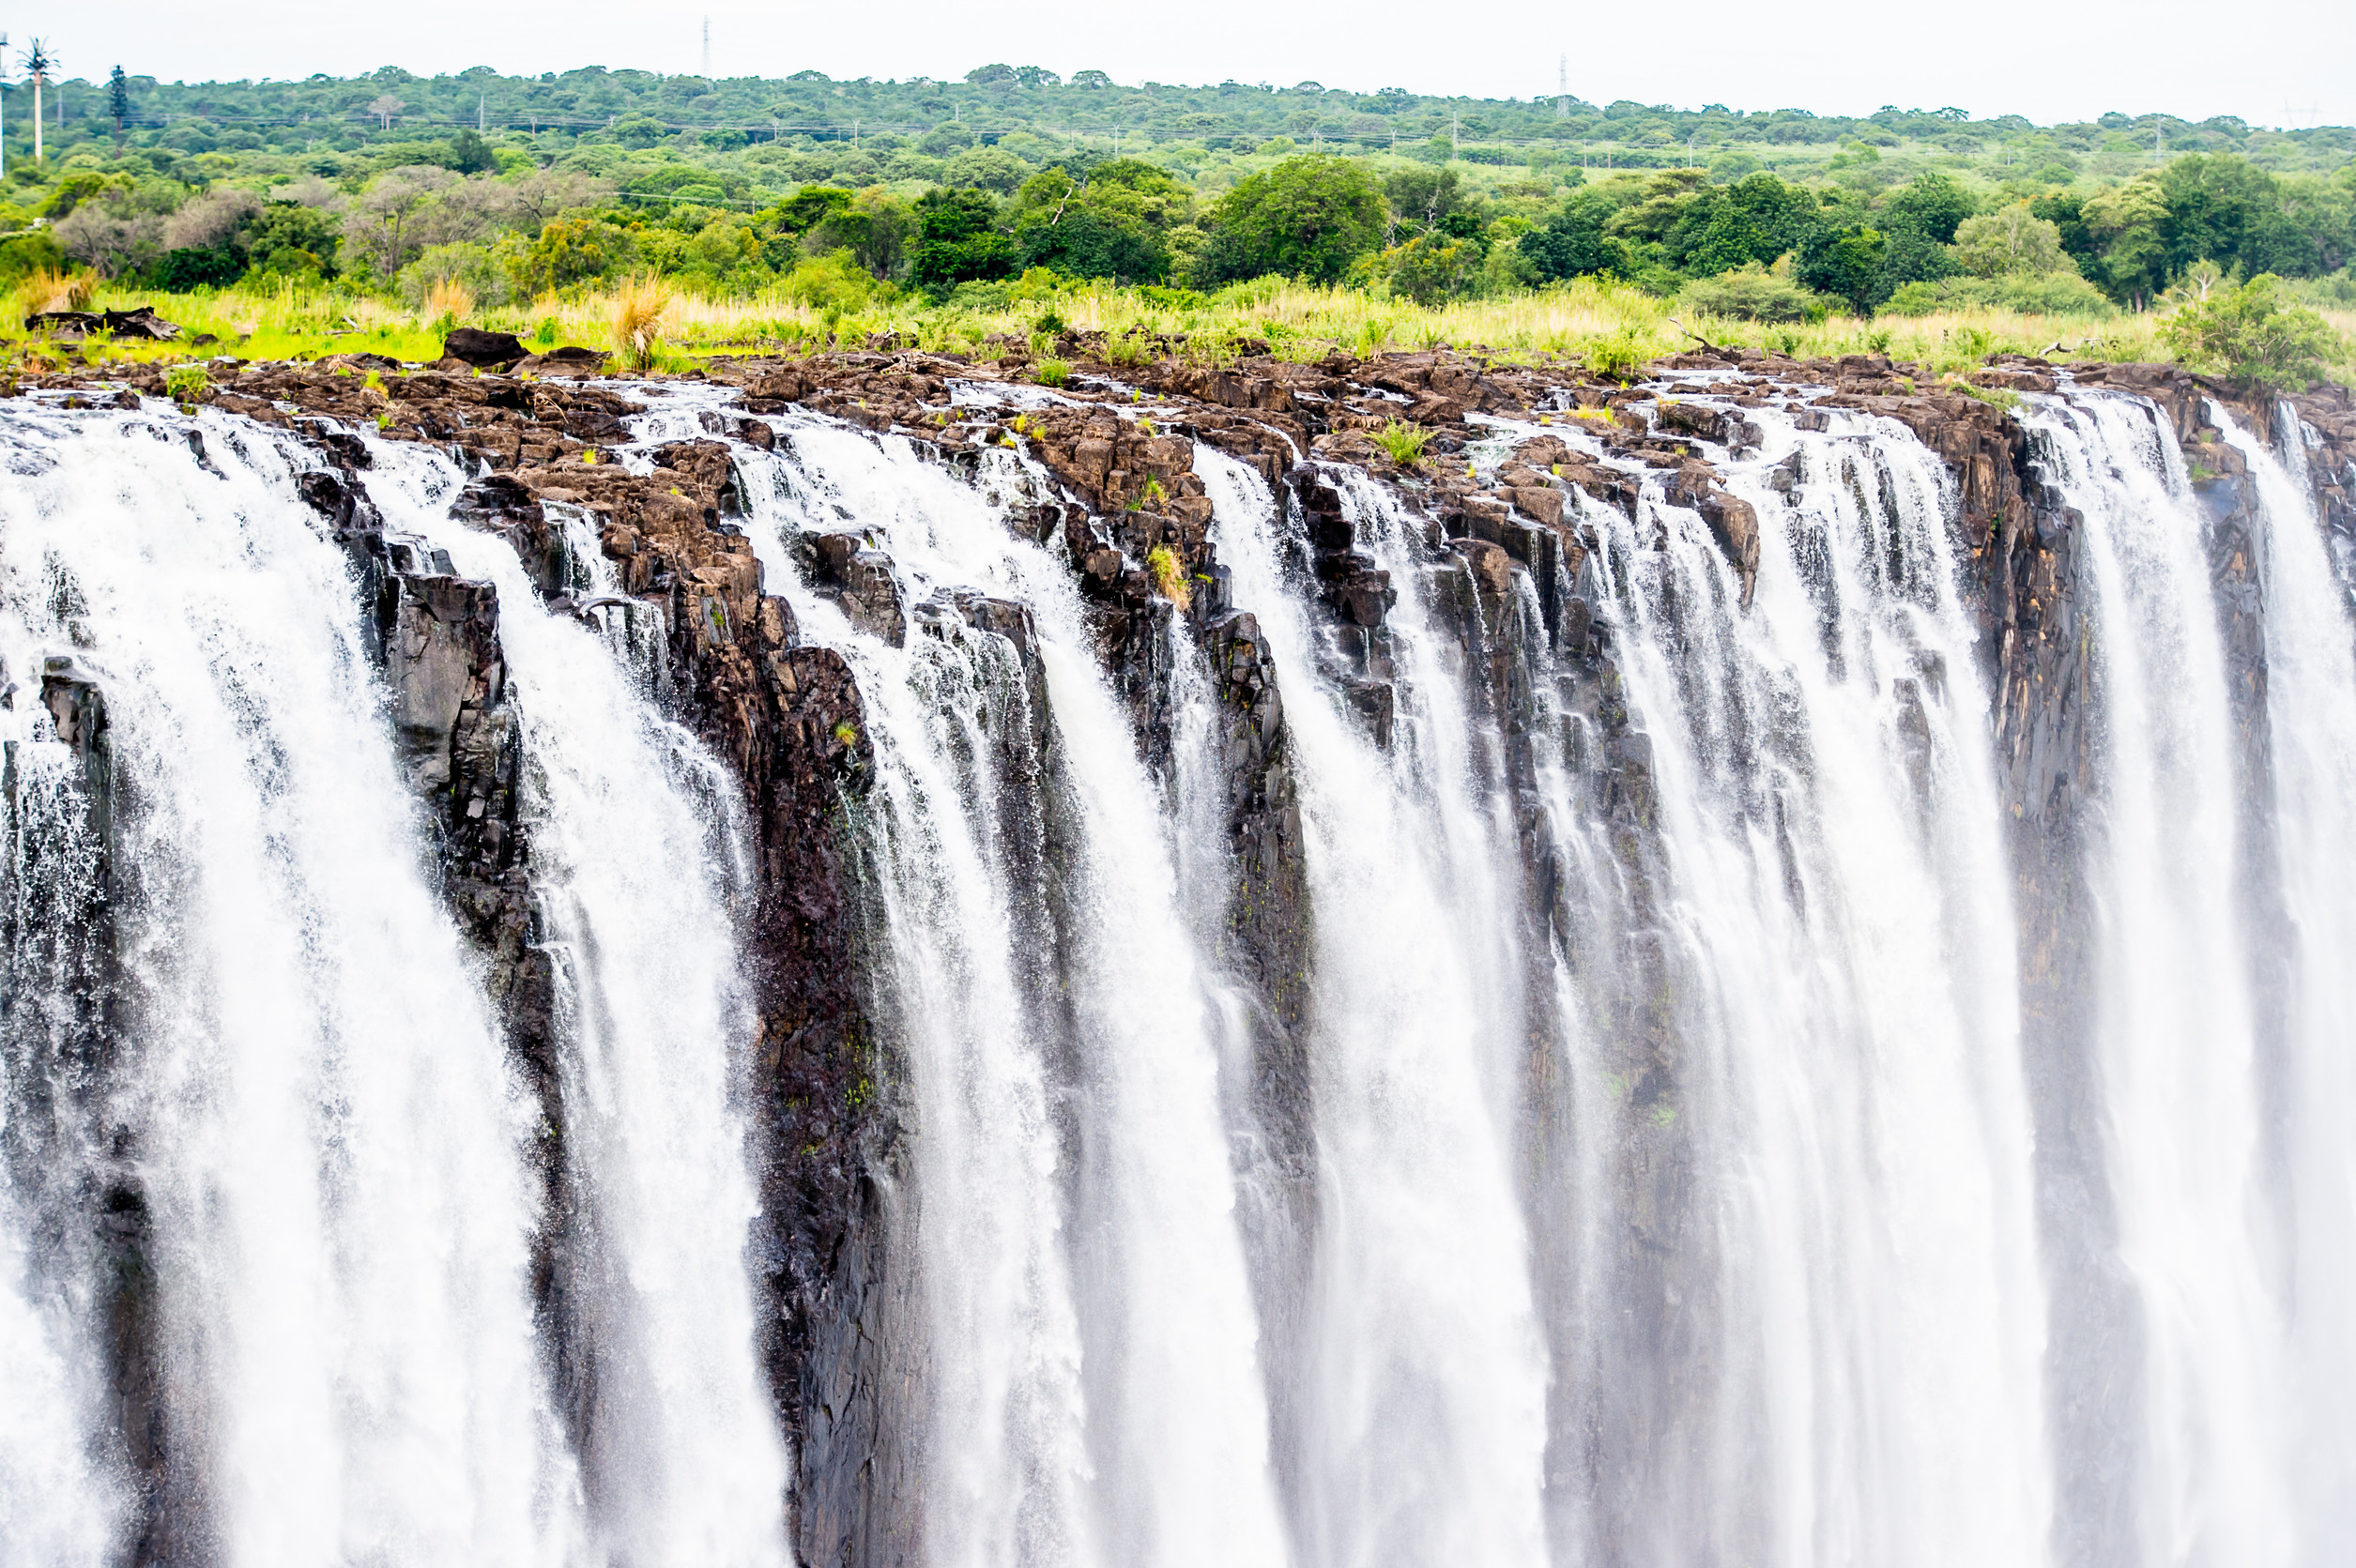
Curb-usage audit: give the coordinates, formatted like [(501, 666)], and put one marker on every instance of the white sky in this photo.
[(2273, 62)]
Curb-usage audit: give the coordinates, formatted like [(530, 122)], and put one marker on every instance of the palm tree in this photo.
[(38, 63)]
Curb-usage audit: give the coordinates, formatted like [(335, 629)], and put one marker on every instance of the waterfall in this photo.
[(1094, 1386), (2174, 1045), (2311, 709), (299, 1124), (1423, 1428), (1762, 1069), (639, 858), (1845, 1087)]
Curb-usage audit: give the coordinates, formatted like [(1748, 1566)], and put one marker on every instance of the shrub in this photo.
[(2252, 337), (573, 251), (2054, 293), (1752, 292), (835, 281), (1621, 356), (640, 306), (1404, 442), (184, 384), (1430, 268), (25, 253), (1051, 372), (472, 269)]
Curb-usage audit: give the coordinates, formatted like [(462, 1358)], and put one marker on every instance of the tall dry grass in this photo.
[(47, 289), (448, 302), (640, 306)]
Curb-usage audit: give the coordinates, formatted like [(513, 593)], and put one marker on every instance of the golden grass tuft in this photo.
[(47, 289), (640, 306), (448, 301)]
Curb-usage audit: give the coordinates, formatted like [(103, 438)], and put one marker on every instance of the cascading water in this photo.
[(637, 848), (1674, 1028), (2305, 574), (2176, 1048), (1837, 953), (1095, 1389), (301, 1118), (1424, 1427)]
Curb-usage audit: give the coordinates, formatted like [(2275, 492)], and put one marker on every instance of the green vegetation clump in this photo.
[(185, 383), (1051, 372), (1404, 443), (1752, 292), (1170, 578), (2253, 338)]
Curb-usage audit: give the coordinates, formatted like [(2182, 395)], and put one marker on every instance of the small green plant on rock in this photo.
[(1051, 372), (185, 383), (1404, 442), (1170, 578)]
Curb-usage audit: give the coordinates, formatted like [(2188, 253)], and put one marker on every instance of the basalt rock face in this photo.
[(1513, 582)]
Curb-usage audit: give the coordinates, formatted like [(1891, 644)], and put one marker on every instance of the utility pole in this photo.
[(1454, 145), (480, 123), (4, 99)]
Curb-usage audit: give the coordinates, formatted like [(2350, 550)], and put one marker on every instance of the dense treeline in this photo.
[(349, 113), (966, 210)]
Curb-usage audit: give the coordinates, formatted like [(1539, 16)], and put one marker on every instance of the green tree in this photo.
[(1934, 205), (874, 228), (1112, 221), (119, 102), (959, 240), (573, 251), (1749, 222), (1845, 262), (2126, 225), (1421, 198), (2216, 205), (1432, 268), (2252, 337), (469, 154), (1573, 242), (2011, 240), (290, 238), (1307, 217), (807, 209)]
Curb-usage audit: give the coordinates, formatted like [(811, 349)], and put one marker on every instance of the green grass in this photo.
[(1610, 328)]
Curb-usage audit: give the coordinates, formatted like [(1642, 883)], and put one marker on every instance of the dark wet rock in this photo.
[(471, 345)]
